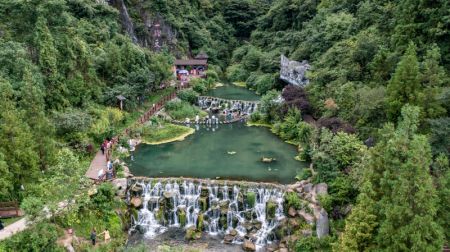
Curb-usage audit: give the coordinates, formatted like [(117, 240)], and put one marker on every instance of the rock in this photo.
[(308, 217), (306, 232), (136, 202), (137, 188), (299, 189), (92, 191), (283, 250), (271, 208), (322, 224), (167, 194), (272, 247), (292, 212), (308, 187), (190, 234), (321, 189), (228, 239), (256, 225), (121, 186), (233, 232), (248, 246), (289, 190), (294, 223)]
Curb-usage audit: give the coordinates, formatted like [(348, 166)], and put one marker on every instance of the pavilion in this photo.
[(191, 67)]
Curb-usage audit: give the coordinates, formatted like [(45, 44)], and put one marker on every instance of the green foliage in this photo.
[(292, 200), (181, 110), (156, 134), (251, 199), (313, 244), (32, 206), (393, 171), (236, 73), (40, 237), (405, 83), (188, 95)]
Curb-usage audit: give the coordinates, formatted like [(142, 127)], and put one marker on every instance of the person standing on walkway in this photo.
[(93, 236), (107, 236), (102, 148)]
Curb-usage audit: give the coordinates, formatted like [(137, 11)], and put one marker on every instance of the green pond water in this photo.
[(230, 91), (204, 154)]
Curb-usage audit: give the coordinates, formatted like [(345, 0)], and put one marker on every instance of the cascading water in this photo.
[(247, 212)]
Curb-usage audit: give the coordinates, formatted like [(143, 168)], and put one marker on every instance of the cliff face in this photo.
[(144, 28), (125, 19)]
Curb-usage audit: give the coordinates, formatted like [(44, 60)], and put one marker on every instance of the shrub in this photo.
[(181, 110), (265, 83), (236, 73), (41, 237), (312, 244), (292, 200), (32, 206), (304, 174), (199, 86), (188, 96), (255, 117)]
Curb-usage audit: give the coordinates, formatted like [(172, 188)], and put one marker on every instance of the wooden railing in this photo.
[(9, 209)]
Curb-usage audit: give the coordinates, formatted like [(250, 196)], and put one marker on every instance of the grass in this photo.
[(164, 134), (180, 110), (240, 84), (9, 221)]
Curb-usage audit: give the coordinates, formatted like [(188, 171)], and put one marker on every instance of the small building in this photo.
[(197, 67)]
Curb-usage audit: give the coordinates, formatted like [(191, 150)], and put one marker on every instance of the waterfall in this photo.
[(212, 103), (245, 212)]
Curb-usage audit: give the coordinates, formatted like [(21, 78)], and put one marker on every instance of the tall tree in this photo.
[(16, 140), (47, 60), (407, 198), (360, 226), (404, 86), (32, 102)]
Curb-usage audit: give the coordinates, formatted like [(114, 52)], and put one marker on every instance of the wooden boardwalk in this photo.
[(99, 161)]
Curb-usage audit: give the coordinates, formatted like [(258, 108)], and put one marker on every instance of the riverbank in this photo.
[(180, 137)]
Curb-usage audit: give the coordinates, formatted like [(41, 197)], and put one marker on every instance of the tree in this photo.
[(360, 226), (404, 86), (16, 141), (6, 183), (47, 58), (403, 188), (33, 104)]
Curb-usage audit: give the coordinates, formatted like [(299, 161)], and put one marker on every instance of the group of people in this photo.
[(106, 172), (94, 236)]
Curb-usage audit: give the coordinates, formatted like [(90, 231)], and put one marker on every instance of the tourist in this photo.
[(100, 174), (102, 148), (93, 236), (1, 225), (107, 236)]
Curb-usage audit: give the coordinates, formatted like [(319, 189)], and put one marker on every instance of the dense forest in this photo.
[(373, 121)]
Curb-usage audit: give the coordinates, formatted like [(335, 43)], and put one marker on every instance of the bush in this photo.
[(41, 237), (236, 73), (312, 244), (292, 200), (188, 95), (199, 87), (265, 83), (255, 117), (32, 206), (304, 174), (181, 110)]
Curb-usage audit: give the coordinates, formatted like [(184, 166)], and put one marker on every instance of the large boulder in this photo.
[(248, 246), (121, 186), (322, 224), (309, 218), (292, 212), (137, 188), (307, 188), (228, 239), (136, 202), (321, 189)]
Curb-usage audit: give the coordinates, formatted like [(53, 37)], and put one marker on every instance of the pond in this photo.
[(231, 151), (232, 92)]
